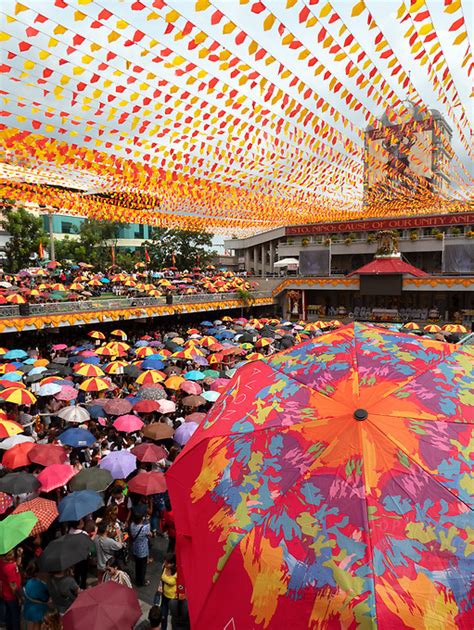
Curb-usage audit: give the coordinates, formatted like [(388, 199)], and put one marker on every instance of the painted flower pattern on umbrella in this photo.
[(332, 482)]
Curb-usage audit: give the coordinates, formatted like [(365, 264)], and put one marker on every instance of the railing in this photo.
[(52, 308), (341, 241)]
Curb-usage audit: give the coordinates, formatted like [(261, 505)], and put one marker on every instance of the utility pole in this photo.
[(52, 253)]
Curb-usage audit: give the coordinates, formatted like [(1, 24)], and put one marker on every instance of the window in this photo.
[(67, 227)]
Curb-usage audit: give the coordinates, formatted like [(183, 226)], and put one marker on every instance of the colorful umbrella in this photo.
[(108, 606), (146, 406), (194, 375), (55, 476), (17, 456), (7, 443), (6, 502), (94, 384), (128, 423), (147, 483), (96, 334), (455, 328), (119, 463), (91, 479), (67, 393), (18, 396), (44, 510), (46, 454), (411, 326), (432, 328), (326, 484), (78, 504), (88, 369), (14, 529), (147, 452), (149, 377), (9, 428)]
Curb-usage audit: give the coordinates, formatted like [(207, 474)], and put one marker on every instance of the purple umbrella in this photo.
[(201, 361), (184, 432), (117, 406), (67, 393), (119, 463)]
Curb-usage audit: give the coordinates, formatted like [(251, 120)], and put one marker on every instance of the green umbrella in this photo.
[(212, 373), (14, 529)]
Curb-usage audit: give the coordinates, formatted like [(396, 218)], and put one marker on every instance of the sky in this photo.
[(26, 89)]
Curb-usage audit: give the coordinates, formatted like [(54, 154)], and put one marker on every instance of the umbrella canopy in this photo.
[(332, 475), (167, 406), (14, 529), (108, 606), (17, 456), (191, 387), (9, 428), (117, 406), (77, 438), (158, 431), (6, 502), (193, 401), (94, 384), (15, 439), (65, 552), (128, 423), (55, 476), (147, 483), (147, 452), (67, 393), (119, 463), (78, 504), (49, 389), (44, 510), (183, 433), (74, 414), (18, 396), (194, 375), (146, 406), (91, 479), (19, 483), (46, 454)]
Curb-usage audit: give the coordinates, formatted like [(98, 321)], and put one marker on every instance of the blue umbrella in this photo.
[(37, 370), (29, 361), (210, 396), (77, 438), (207, 324), (12, 376), (16, 353), (194, 375), (92, 360), (148, 364), (140, 343), (105, 280), (96, 411), (78, 504)]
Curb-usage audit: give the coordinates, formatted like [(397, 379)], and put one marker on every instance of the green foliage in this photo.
[(93, 246), (190, 249), (26, 232)]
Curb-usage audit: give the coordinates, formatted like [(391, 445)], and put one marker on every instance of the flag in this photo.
[(41, 250), (147, 256), (173, 259), (113, 255)]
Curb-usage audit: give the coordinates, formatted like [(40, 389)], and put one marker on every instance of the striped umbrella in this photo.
[(96, 334), (149, 377), (119, 333), (94, 384), (432, 328), (411, 326), (9, 428), (455, 328), (89, 370), (45, 511), (18, 396), (116, 367)]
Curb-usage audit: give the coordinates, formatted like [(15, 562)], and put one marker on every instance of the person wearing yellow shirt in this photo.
[(169, 591)]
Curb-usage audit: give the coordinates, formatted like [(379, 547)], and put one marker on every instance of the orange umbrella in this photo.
[(17, 456), (45, 511), (432, 328), (96, 334), (18, 396), (173, 382), (411, 326), (88, 369), (15, 298)]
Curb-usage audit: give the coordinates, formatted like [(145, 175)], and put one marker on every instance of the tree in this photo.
[(247, 298), (94, 245), (185, 249), (26, 232)]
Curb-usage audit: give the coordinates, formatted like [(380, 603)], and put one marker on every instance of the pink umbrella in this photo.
[(191, 387), (88, 353), (55, 476), (59, 346), (147, 483), (219, 384), (128, 423), (197, 416), (117, 406), (167, 406), (184, 432), (67, 393)]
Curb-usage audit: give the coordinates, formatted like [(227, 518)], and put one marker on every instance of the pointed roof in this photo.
[(383, 265)]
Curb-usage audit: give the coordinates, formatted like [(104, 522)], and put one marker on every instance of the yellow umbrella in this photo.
[(173, 382), (88, 369), (94, 384), (96, 334), (76, 286), (150, 377), (119, 333), (411, 326), (144, 351), (254, 356), (15, 298), (116, 367), (454, 328), (9, 428), (18, 396), (432, 328)]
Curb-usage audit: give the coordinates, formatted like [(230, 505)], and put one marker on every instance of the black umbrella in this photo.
[(34, 378), (19, 483), (286, 343), (247, 338), (60, 368), (131, 370), (65, 552), (98, 479), (25, 368), (152, 393), (173, 347), (61, 360)]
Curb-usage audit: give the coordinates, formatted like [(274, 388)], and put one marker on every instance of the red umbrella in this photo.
[(128, 423), (146, 406), (191, 387), (55, 476), (108, 606), (17, 456), (45, 511), (5, 502), (148, 452), (195, 417), (46, 454), (147, 483)]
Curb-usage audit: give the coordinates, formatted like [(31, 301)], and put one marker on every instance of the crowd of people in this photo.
[(88, 431), (54, 283)]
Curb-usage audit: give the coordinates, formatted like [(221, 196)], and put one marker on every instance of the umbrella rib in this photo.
[(418, 465)]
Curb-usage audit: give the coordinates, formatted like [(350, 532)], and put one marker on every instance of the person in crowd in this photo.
[(35, 597), (140, 532), (168, 587), (154, 620), (63, 590), (123, 503), (106, 548), (10, 580), (113, 573)]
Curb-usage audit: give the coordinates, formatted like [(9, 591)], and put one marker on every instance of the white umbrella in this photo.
[(285, 262), (49, 389), (74, 414), (7, 443)]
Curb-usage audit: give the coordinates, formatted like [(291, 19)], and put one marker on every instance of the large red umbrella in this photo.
[(108, 606), (47, 454), (117, 406), (128, 423), (55, 476), (147, 452), (45, 511), (147, 483), (322, 489), (17, 456), (146, 406)]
